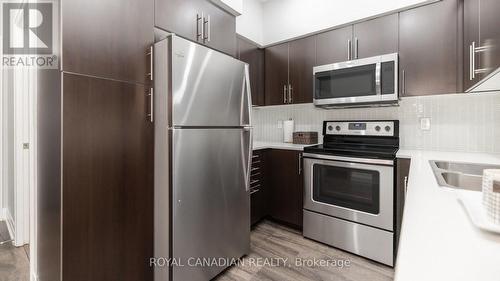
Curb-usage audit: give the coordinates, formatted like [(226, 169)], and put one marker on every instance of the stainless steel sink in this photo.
[(468, 176)]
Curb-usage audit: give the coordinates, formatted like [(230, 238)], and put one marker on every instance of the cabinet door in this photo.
[(402, 172), (107, 180), (97, 41), (220, 29), (301, 62), (376, 37), (333, 46), (276, 61), (254, 56), (471, 34), (284, 178), (428, 50), (179, 17), (490, 34)]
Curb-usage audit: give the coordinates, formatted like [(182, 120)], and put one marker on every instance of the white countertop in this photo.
[(438, 241), (278, 145)]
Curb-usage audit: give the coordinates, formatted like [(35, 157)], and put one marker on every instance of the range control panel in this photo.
[(362, 128)]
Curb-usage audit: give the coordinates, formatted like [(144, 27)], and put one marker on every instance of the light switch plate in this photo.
[(280, 124), (425, 124)]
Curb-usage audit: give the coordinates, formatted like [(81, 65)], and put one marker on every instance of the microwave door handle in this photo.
[(378, 74)]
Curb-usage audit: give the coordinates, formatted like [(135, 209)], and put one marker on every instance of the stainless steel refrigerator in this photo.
[(203, 151)]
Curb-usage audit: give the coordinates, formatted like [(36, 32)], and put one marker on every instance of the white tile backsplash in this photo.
[(459, 122)]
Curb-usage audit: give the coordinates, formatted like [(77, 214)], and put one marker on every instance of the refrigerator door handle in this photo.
[(248, 153), (246, 103)]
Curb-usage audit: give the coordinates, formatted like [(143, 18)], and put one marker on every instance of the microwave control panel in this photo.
[(365, 128)]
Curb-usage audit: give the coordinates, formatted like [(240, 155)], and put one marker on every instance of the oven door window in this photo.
[(345, 83), (346, 187)]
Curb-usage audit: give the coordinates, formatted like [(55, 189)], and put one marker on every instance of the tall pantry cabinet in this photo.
[(95, 146)]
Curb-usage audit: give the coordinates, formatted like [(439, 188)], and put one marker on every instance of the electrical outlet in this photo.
[(425, 124), (280, 124)]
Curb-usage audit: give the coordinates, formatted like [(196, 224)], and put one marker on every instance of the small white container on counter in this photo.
[(288, 129)]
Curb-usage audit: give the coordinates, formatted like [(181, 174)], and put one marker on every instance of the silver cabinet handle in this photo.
[(356, 48), (300, 163), (406, 185), (404, 83), (473, 50), (199, 27), (206, 35), (151, 105), (349, 49), (284, 94), (290, 93), (254, 191), (151, 59), (471, 61)]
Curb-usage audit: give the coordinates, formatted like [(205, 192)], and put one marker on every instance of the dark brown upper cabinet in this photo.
[(97, 41), (185, 20), (220, 29), (428, 49), (481, 39), (199, 21), (302, 59), (254, 56), (334, 46), (471, 36), (375, 37), (365, 39), (276, 69), (289, 72)]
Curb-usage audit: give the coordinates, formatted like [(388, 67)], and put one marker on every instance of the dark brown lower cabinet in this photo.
[(286, 185), (107, 186), (259, 198), (402, 172)]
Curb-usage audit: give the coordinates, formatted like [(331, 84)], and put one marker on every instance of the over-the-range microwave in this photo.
[(363, 82)]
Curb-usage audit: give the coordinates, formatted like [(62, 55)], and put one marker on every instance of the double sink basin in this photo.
[(459, 175)]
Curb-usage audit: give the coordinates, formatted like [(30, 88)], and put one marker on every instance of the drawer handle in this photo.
[(254, 191)]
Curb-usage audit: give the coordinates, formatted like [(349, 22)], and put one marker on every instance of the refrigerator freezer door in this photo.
[(208, 88), (211, 203)]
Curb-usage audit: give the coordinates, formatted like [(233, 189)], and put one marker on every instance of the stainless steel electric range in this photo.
[(349, 188)]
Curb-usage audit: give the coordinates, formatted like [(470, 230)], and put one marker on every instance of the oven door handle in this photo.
[(384, 162)]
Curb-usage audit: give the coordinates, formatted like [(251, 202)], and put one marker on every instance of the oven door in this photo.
[(370, 80), (358, 192)]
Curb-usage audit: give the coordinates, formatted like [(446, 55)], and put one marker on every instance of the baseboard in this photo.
[(10, 223)]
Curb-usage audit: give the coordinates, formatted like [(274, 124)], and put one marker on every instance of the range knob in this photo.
[(337, 128), (377, 128), (330, 128), (387, 128)]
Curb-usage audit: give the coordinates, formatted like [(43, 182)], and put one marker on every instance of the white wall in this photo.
[(7, 144), (286, 19), (250, 23), (461, 122)]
